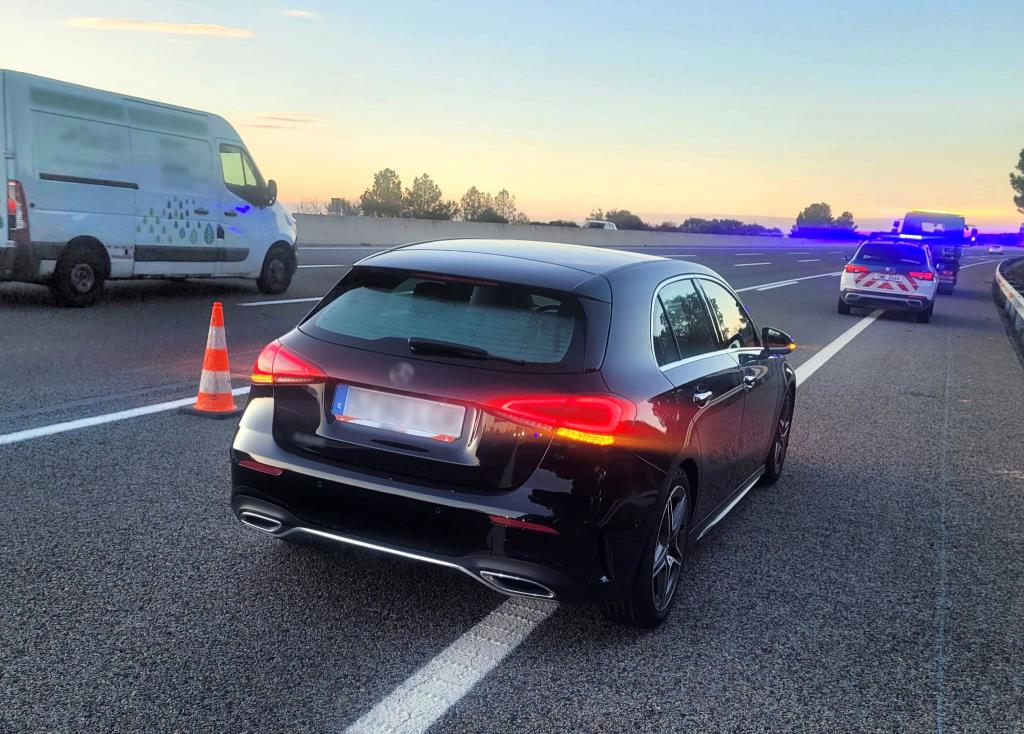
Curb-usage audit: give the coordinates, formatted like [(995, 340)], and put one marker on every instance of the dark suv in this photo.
[(555, 421)]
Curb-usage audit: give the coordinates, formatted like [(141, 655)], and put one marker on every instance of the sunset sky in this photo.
[(745, 107)]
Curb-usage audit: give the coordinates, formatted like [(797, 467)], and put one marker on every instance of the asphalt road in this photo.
[(876, 587)]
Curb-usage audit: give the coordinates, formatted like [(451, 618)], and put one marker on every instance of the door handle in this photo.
[(230, 214), (701, 396), (201, 212)]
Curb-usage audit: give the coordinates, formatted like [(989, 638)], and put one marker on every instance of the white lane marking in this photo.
[(747, 265), (810, 260), (281, 302), (425, 696), (791, 280), (799, 253), (741, 254), (674, 257), (777, 285), (97, 420), (983, 262), (831, 349), (329, 265)]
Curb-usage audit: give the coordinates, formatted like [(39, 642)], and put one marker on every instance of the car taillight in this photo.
[(593, 419), (921, 276), (278, 365), (851, 268), (17, 212)]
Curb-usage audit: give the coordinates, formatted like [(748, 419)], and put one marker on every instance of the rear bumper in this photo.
[(20, 261), (894, 302), (591, 557)]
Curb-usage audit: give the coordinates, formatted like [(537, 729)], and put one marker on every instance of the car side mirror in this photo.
[(974, 232), (777, 343), (271, 192)]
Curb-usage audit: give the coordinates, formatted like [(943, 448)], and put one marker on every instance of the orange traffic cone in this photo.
[(215, 399)]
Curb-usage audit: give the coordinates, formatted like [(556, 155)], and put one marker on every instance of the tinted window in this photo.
[(891, 255), (381, 309), (665, 350), (733, 321), (689, 319)]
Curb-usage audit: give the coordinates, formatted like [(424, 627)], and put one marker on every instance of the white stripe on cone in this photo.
[(211, 382), (216, 338)]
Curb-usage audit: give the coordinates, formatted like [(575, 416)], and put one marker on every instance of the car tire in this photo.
[(277, 272), (925, 316), (780, 442), (843, 307), (78, 277), (653, 591), (946, 290)]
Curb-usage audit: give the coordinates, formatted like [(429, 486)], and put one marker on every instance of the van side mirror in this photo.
[(271, 192), (974, 232), (777, 343)]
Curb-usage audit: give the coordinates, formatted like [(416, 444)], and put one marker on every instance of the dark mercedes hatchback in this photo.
[(555, 421)]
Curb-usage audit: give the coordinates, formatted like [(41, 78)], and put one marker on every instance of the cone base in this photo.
[(219, 414)]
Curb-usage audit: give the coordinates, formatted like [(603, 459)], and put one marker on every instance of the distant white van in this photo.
[(598, 224), (102, 186)]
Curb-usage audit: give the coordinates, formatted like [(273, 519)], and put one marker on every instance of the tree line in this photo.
[(423, 200)]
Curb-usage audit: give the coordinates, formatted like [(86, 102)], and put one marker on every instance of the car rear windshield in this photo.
[(891, 255), (383, 308)]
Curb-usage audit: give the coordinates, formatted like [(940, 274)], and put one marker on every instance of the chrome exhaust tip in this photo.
[(259, 522), (516, 585)]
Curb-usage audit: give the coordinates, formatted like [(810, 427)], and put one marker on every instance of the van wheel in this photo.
[(925, 316), (843, 307), (79, 277), (658, 577), (278, 269)]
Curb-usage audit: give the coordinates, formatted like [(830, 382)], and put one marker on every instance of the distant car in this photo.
[(555, 421), (996, 250), (889, 276), (599, 224)]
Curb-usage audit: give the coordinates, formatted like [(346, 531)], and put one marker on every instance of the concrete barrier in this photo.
[(318, 229), (1009, 296)]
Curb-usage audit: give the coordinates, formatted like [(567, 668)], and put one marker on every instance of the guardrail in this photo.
[(1009, 284)]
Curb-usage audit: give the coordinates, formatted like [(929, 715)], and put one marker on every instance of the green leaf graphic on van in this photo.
[(208, 234)]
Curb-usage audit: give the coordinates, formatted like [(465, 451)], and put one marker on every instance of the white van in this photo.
[(598, 224), (100, 186)]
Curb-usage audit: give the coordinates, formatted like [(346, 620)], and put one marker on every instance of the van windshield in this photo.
[(382, 309)]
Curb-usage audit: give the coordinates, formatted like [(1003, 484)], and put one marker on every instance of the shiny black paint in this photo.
[(433, 500)]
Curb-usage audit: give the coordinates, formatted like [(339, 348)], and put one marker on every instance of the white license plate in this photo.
[(399, 413), (890, 277)]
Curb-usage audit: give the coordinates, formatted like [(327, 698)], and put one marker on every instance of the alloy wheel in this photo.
[(669, 547), (782, 434)]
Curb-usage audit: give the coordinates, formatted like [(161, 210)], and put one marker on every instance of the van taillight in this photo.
[(593, 419), (17, 212)]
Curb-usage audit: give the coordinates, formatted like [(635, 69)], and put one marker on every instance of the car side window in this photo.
[(688, 318), (240, 175), (734, 323), (665, 349)]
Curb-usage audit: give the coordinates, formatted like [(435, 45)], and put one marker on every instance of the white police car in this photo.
[(898, 277)]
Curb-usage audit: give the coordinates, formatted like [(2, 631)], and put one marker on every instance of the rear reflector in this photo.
[(921, 275), (851, 268), (261, 467), (278, 365), (510, 522)]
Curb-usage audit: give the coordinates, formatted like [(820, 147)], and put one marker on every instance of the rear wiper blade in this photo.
[(420, 345)]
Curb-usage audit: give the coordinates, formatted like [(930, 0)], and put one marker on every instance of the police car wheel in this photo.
[(925, 316), (843, 307)]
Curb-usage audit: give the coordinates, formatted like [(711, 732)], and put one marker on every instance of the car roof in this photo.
[(573, 268)]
